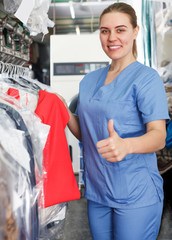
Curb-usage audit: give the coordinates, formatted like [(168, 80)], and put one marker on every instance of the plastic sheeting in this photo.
[(157, 32), (32, 13), (157, 39), (25, 190), (27, 193), (8, 222), (52, 221)]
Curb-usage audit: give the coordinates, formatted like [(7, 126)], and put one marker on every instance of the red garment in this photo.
[(59, 180), (13, 93)]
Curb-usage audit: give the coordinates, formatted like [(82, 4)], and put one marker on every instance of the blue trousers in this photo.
[(124, 224)]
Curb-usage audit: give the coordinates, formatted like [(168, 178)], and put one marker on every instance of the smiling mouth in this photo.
[(114, 47)]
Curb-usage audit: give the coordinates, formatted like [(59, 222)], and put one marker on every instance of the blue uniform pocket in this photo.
[(115, 182), (129, 181)]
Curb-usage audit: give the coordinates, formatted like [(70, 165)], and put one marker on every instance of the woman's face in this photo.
[(117, 35)]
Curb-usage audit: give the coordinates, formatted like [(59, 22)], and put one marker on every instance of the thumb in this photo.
[(110, 128)]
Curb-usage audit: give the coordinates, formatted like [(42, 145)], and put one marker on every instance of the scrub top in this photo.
[(135, 97)]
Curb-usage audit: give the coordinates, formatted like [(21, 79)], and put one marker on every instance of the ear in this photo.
[(136, 30)]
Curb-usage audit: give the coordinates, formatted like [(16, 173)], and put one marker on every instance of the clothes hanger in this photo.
[(14, 75)]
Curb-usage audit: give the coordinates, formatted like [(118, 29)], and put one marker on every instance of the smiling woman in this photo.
[(117, 35), (121, 110), (125, 10)]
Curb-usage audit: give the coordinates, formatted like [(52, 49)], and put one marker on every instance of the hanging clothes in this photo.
[(8, 223), (23, 98), (19, 123)]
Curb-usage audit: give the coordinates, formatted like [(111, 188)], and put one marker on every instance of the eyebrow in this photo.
[(116, 26), (121, 26)]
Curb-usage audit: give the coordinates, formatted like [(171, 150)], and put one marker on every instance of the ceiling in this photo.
[(85, 18)]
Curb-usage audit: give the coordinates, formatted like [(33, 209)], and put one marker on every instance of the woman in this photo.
[(122, 110)]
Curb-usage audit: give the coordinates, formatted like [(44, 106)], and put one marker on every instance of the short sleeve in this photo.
[(151, 98)]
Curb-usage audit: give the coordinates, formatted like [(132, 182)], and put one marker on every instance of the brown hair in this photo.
[(124, 8)]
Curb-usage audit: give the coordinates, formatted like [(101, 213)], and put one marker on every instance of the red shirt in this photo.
[(59, 181)]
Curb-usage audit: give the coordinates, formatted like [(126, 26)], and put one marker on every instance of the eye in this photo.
[(104, 31), (120, 30)]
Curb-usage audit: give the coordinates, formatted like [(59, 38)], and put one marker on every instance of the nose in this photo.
[(112, 36)]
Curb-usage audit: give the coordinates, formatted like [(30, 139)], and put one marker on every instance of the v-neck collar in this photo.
[(102, 89)]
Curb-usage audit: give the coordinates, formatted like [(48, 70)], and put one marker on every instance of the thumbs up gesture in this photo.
[(113, 148)]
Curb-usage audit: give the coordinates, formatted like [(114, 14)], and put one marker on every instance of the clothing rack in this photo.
[(12, 69), (14, 42), (18, 101)]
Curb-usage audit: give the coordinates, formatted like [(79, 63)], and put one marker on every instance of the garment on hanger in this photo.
[(163, 32), (27, 97), (59, 180), (23, 100), (51, 224), (52, 220), (20, 196), (37, 130), (19, 123), (8, 222)]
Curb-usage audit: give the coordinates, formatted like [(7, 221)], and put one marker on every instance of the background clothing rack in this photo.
[(14, 42)]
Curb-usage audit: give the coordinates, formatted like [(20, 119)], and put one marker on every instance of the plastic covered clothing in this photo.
[(157, 35), (134, 98), (20, 204), (34, 14), (9, 229), (163, 26), (11, 6), (52, 220), (23, 136), (18, 101), (20, 125)]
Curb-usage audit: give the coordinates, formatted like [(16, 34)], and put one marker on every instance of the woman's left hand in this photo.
[(113, 148)]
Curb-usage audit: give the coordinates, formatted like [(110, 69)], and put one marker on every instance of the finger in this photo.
[(108, 152), (114, 159), (102, 143), (108, 155), (103, 150), (110, 128)]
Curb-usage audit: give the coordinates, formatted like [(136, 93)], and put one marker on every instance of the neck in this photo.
[(118, 65)]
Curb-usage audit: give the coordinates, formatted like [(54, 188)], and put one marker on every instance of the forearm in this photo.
[(150, 142), (74, 126), (115, 148), (73, 123)]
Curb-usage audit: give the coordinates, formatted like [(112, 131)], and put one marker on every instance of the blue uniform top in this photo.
[(135, 97)]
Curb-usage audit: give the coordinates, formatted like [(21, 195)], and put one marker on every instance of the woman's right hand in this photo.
[(73, 123), (62, 99)]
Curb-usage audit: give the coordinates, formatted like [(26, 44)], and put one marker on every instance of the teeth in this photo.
[(114, 47)]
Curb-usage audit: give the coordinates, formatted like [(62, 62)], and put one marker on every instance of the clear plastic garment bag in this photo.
[(157, 40), (22, 140), (157, 35)]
